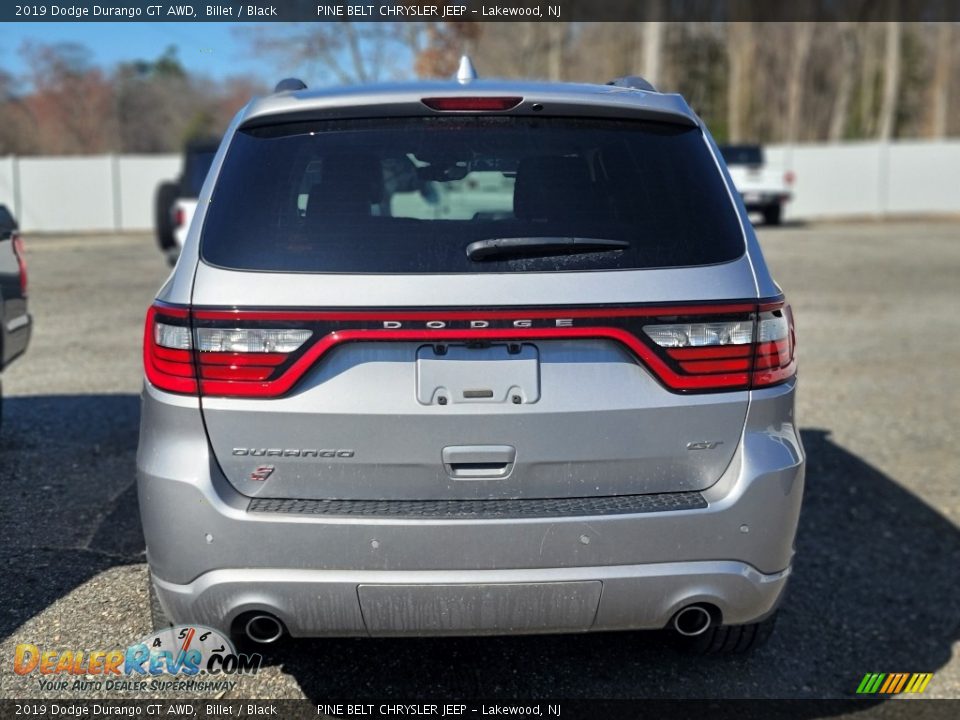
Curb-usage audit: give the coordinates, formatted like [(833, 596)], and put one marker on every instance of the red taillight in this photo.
[(775, 349), (471, 104), (231, 360), (688, 348), (789, 177), (179, 217), (21, 262), (729, 353), (168, 349)]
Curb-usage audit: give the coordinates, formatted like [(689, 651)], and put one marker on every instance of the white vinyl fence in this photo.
[(84, 193), (856, 179)]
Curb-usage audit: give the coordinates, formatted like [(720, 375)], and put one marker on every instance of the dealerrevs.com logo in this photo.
[(184, 652)]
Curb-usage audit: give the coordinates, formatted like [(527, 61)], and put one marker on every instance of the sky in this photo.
[(214, 49)]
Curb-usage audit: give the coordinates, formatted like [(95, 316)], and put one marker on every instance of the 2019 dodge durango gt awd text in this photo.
[(466, 358)]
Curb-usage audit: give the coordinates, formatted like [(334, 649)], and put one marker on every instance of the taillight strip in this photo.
[(687, 368), (293, 374)]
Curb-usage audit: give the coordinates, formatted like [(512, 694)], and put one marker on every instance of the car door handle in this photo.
[(479, 461)]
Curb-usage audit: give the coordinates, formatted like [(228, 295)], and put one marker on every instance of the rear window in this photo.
[(416, 195), (742, 154)]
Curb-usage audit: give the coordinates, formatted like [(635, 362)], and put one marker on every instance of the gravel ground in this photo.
[(878, 567)]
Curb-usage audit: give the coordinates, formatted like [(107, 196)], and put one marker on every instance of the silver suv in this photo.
[(470, 358)]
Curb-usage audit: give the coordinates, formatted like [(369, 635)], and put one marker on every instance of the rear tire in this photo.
[(158, 618), (773, 214), (730, 639)]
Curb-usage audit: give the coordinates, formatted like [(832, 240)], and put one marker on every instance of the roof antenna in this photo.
[(466, 72)]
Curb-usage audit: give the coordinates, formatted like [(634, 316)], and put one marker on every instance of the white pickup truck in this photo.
[(764, 189)]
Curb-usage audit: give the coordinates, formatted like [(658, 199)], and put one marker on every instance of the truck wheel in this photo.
[(772, 214), (163, 201), (158, 618), (730, 639)]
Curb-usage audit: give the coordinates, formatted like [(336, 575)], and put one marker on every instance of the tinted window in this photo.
[(742, 154), (195, 172), (7, 222), (409, 196)]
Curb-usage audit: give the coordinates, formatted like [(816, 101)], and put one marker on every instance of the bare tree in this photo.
[(891, 82), (741, 48), (940, 85), (846, 68), (342, 52), (803, 36), (653, 43), (72, 102)]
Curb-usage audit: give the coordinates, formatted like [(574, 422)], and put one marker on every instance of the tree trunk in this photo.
[(870, 68), (941, 81), (841, 104), (891, 82), (556, 40), (803, 37), (740, 52), (652, 51)]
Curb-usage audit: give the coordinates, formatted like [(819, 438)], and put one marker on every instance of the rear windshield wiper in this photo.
[(540, 246)]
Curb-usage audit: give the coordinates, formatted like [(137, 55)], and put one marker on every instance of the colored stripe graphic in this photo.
[(893, 683)]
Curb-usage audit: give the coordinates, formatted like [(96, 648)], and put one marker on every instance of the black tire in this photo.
[(164, 199), (773, 214), (730, 639), (158, 618)]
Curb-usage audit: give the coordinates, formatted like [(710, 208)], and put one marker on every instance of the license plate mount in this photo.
[(498, 373)]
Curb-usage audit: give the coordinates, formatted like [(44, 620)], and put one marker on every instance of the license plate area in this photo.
[(492, 374)]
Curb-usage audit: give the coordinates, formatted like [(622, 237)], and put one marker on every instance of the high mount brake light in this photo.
[(471, 104), (688, 348)]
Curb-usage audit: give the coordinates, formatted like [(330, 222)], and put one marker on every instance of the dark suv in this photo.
[(15, 320)]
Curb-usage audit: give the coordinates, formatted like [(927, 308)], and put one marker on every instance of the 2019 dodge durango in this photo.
[(470, 357)]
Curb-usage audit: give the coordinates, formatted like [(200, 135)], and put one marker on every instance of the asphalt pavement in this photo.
[(875, 587)]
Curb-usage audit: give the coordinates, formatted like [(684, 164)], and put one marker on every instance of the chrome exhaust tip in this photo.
[(263, 629), (692, 620)]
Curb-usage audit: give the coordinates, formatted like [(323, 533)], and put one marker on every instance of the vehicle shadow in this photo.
[(69, 508), (874, 587)]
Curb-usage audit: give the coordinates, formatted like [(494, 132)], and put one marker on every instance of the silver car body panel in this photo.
[(216, 559)]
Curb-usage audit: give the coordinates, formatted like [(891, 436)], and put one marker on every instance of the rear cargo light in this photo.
[(471, 104), (250, 340), (738, 332), (264, 353), (21, 262)]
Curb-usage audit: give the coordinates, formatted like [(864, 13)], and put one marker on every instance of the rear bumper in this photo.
[(213, 559), (760, 200), (456, 602)]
